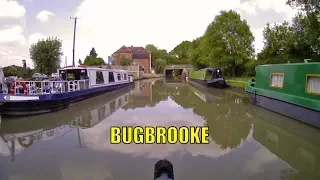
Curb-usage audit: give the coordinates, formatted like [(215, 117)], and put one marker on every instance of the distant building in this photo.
[(110, 60), (137, 55)]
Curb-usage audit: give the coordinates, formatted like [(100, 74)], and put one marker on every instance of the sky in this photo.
[(107, 25)]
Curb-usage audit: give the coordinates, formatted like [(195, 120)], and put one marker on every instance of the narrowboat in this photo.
[(75, 84), (212, 77), (291, 89)]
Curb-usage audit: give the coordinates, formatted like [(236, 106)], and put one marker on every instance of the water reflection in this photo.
[(246, 142), (30, 131), (296, 143)]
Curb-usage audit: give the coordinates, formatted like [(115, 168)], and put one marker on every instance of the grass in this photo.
[(239, 82)]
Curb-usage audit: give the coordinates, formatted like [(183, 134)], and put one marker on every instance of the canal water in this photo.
[(246, 142)]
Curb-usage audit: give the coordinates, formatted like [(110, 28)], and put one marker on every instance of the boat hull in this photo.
[(216, 84), (54, 102), (297, 112)]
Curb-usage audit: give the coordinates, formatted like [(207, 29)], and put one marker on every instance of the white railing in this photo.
[(47, 87)]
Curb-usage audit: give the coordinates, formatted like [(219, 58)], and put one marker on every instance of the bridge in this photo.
[(181, 67)]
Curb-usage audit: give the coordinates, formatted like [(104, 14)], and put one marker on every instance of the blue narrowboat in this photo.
[(75, 84)]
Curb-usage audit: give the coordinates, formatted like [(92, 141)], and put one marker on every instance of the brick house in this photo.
[(138, 55)]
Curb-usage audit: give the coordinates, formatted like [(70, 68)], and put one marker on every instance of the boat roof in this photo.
[(91, 68), (291, 64)]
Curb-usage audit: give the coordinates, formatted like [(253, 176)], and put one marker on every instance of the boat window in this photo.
[(208, 75), (125, 77), (99, 77), (111, 77), (313, 84), (119, 77), (276, 80)]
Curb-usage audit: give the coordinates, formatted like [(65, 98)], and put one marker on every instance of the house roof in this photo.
[(123, 49), (132, 49)]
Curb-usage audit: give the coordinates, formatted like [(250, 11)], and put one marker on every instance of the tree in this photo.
[(92, 61), (125, 61), (182, 52), (277, 37), (228, 43), (93, 53), (160, 64), (80, 62), (311, 10), (156, 53), (46, 55)]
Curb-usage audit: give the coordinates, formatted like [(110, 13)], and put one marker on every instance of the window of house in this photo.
[(276, 80), (119, 77), (111, 77), (99, 77), (313, 84)]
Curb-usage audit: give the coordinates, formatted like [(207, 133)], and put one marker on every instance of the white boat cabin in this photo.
[(94, 76), (69, 79)]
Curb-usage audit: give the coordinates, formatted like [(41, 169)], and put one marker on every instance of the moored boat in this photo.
[(76, 84), (291, 89), (209, 77)]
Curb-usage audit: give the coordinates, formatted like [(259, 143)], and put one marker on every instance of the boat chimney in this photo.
[(306, 60)]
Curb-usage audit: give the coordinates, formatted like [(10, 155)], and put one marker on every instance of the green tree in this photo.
[(160, 64), (46, 55), (125, 61), (92, 61), (156, 53), (277, 37), (182, 52), (228, 43), (311, 9), (93, 53), (80, 62)]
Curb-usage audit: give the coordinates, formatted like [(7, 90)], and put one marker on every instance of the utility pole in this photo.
[(74, 37)]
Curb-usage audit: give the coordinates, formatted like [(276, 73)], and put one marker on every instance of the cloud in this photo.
[(11, 9), (259, 12), (35, 37), (44, 15), (163, 23), (279, 6), (12, 34), (259, 159)]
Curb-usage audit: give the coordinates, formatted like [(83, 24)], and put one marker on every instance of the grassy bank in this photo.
[(239, 82)]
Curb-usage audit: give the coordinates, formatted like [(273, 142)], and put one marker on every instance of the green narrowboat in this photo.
[(289, 89), (209, 76)]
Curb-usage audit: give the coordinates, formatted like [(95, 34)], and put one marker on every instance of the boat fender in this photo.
[(25, 89)]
